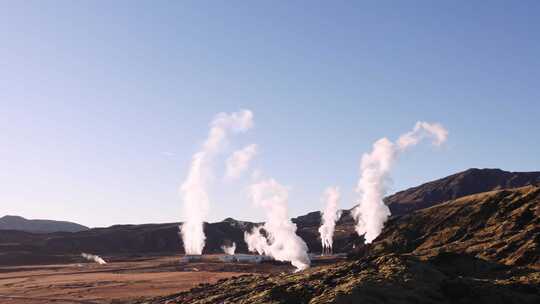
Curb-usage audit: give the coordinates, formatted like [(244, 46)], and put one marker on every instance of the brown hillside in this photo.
[(481, 248)]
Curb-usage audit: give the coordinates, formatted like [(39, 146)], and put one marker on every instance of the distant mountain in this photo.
[(10, 222), (458, 185)]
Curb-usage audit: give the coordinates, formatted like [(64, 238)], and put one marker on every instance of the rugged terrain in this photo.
[(458, 248), (501, 226), (388, 278), (481, 248)]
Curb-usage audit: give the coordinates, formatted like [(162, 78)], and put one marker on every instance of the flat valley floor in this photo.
[(122, 280)]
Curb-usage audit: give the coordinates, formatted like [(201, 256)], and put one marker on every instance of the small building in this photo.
[(244, 258)]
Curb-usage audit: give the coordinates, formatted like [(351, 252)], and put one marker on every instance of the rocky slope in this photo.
[(389, 278), (481, 248), (502, 226), (11, 222)]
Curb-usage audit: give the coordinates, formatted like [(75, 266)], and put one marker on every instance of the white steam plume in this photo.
[(229, 249), (372, 212), (255, 240), (239, 161), (281, 242), (422, 130), (330, 216), (93, 258), (193, 190)]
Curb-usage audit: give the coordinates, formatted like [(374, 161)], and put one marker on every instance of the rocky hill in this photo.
[(482, 248), (426, 195), (10, 222), (458, 185), (501, 226)]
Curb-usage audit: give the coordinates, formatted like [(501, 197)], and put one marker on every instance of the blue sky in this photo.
[(103, 103)]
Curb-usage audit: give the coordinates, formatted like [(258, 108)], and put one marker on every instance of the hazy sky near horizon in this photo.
[(104, 102)]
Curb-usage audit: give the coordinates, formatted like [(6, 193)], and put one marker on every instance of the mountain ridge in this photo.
[(164, 238), (457, 185), (15, 222)]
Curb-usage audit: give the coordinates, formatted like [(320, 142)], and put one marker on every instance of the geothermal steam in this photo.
[(93, 258), (372, 212), (255, 240), (193, 190), (281, 241), (330, 215), (229, 249), (239, 161)]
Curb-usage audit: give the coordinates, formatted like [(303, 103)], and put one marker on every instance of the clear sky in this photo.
[(102, 104)]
